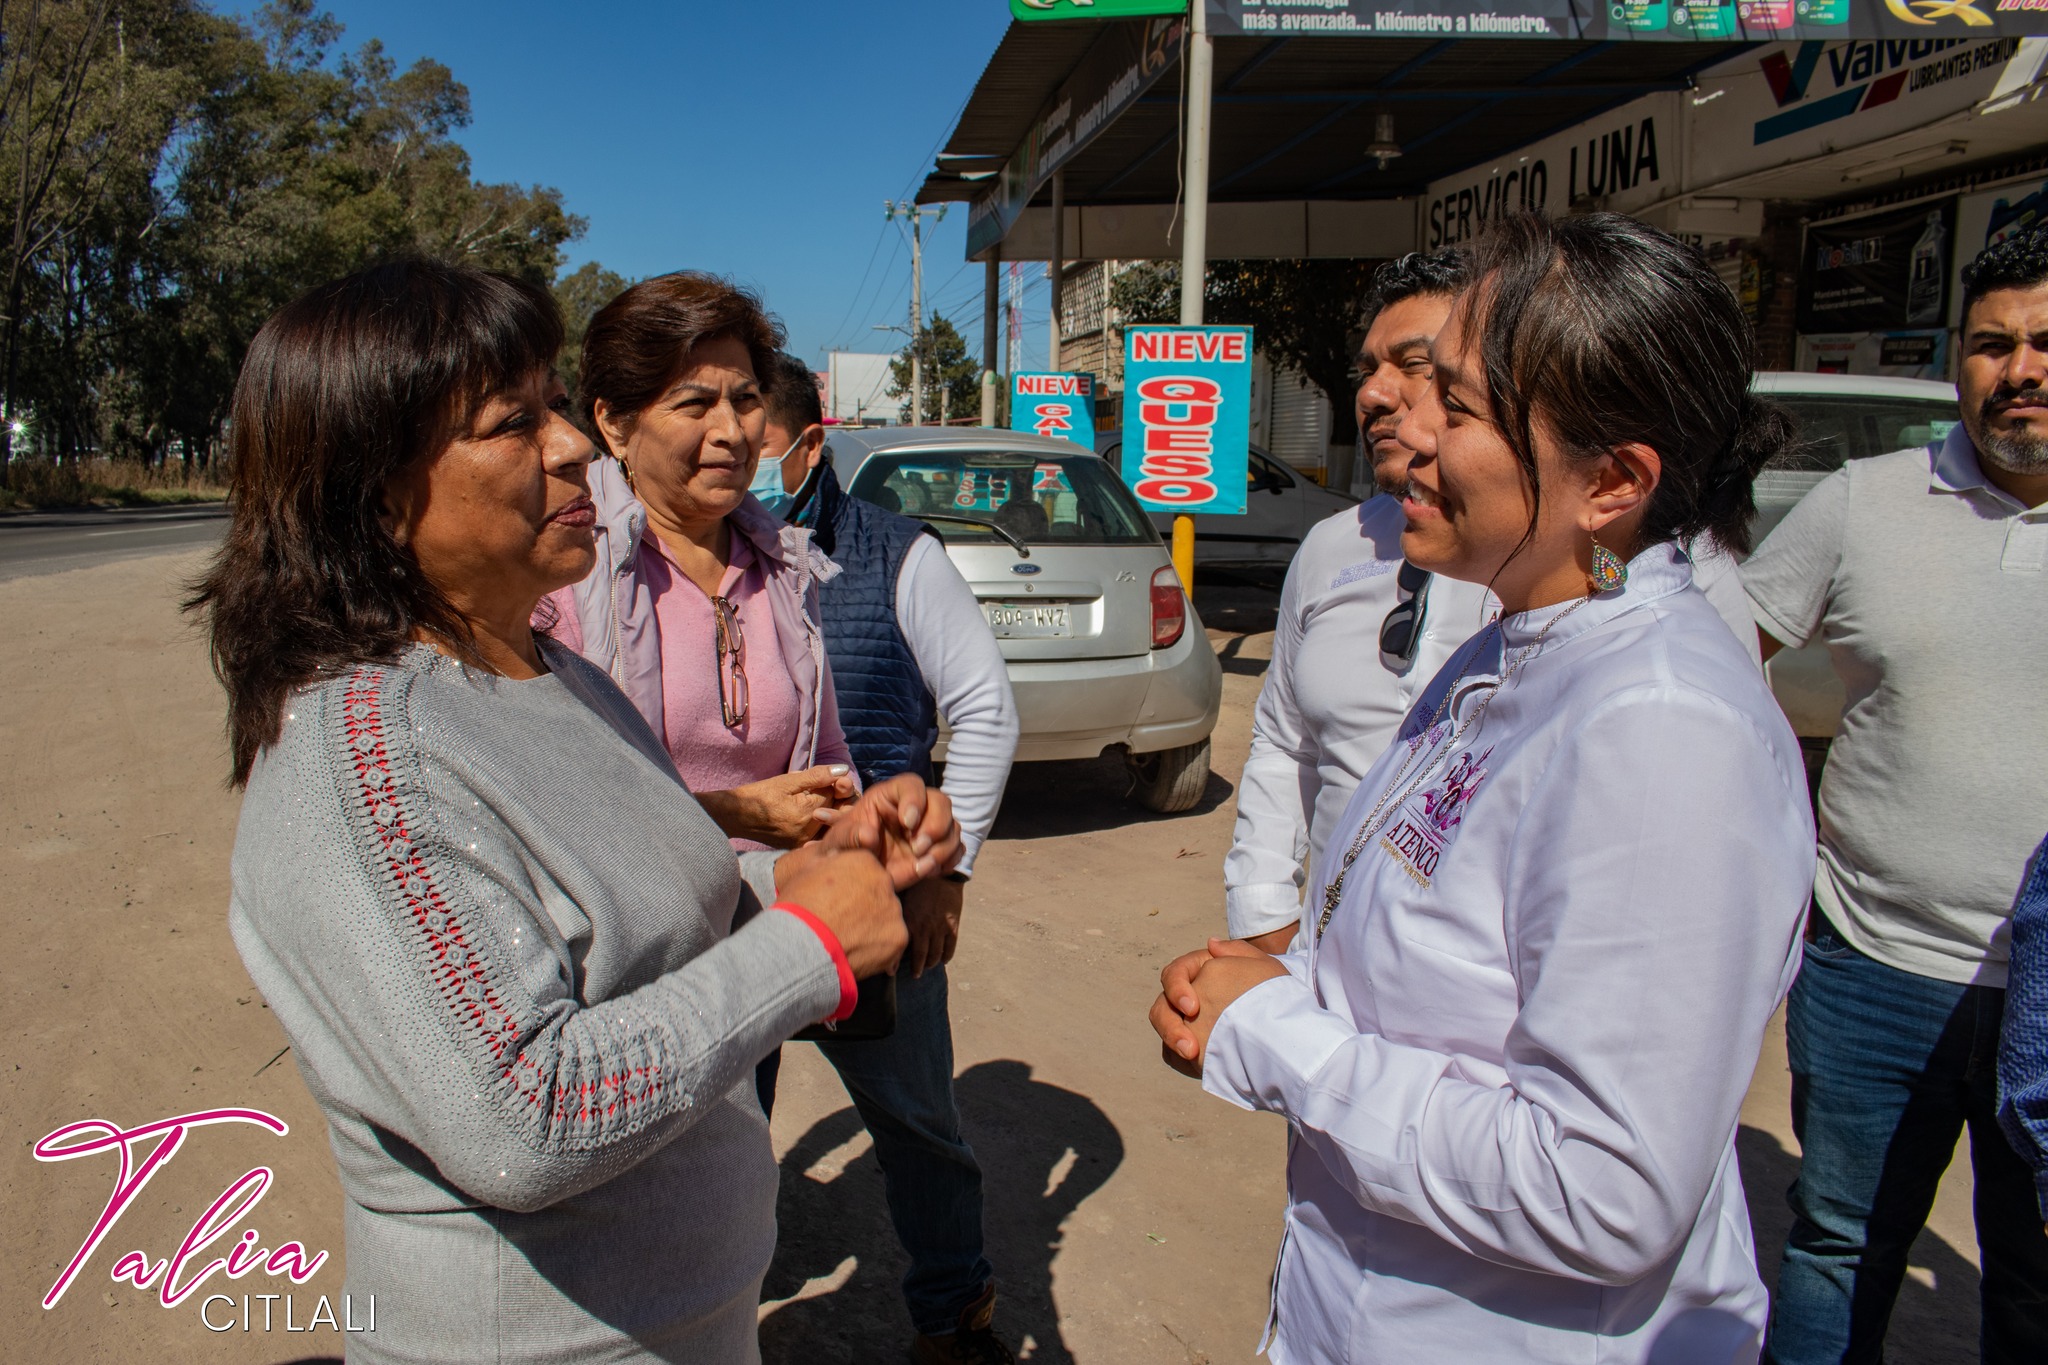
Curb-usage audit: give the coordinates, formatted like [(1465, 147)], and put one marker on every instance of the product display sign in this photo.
[(1057, 405), (1988, 218), (1187, 417), (1881, 271), (1030, 10), (1717, 21)]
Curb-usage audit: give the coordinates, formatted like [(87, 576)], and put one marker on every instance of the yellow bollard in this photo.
[(1184, 552)]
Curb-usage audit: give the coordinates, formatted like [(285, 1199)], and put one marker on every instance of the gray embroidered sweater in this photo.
[(528, 982)]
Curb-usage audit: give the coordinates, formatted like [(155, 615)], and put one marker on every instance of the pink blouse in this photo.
[(710, 755)]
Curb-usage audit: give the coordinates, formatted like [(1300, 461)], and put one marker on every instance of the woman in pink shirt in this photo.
[(704, 605)]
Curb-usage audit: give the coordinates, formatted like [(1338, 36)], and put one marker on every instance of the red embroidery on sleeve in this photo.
[(458, 972)]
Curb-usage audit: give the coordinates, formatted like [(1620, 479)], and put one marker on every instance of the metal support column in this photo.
[(991, 308), (1056, 270), (1194, 240)]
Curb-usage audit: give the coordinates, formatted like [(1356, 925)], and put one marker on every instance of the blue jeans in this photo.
[(1887, 1069), (903, 1087)]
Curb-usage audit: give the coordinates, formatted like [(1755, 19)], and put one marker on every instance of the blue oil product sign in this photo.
[(1187, 423), (1058, 405)]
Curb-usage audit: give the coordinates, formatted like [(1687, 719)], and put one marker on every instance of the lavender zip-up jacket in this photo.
[(614, 608)]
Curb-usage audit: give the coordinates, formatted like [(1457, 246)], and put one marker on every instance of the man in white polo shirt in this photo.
[(1926, 572), (1361, 632)]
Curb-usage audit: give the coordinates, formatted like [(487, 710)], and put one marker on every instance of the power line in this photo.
[(873, 255)]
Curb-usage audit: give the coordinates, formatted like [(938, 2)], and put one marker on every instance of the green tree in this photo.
[(170, 176), (579, 295), (952, 375), (87, 102), (1305, 315)]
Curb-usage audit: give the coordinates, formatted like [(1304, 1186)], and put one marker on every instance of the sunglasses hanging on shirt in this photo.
[(1402, 630)]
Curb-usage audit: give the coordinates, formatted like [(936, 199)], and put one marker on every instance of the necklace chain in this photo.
[(1376, 821)]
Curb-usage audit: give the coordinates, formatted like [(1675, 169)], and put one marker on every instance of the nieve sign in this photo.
[(1634, 20), (1187, 423), (1120, 66), (1057, 405)]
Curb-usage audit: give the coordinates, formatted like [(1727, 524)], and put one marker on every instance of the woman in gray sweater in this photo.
[(521, 970)]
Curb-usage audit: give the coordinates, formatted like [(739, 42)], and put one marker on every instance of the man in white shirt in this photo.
[(908, 644), (1360, 632), (1926, 573)]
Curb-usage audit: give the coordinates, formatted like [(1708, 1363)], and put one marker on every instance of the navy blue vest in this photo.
[(885, 707)]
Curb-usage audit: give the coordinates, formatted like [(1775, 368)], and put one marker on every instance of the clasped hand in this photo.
[(1195, 989), (898, 834)]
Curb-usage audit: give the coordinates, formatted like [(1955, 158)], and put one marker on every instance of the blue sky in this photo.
[(757, 138)]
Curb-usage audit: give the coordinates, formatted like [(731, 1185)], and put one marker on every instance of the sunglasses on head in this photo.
[(1402, 629)]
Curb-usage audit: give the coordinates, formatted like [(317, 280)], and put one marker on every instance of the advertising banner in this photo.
[(1040, 10), (1882, 271), (1793, 102), (1990, 217), (1121, 66), (1187, 417), (1679, 21), (1901, 355), (1057, 405)]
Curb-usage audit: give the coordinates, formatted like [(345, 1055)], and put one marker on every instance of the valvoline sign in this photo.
[(1187, 417), (1058, 405)]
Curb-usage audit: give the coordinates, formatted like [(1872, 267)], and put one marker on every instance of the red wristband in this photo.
[(849, 991)]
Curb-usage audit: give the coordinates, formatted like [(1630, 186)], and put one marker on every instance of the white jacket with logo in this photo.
[(1514, 1063), (1330, 705)]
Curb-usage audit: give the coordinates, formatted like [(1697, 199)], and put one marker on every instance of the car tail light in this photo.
[(1169, 608)]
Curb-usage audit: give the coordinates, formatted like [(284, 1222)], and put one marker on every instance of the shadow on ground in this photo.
[(1042, 1149), (1940, 1289), (1084, 796), (1244, 602)]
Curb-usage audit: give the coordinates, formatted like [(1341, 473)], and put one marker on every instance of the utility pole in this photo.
[(1056, 269), (1015, 313), (916, 215), (1194, 241)]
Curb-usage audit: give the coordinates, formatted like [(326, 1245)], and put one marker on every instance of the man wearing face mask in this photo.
[(1361, 632), (907, 644)]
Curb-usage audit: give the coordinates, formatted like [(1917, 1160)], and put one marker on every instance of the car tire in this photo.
[(1171, 780)]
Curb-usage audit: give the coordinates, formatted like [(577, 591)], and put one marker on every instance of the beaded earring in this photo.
[(1609, 572)]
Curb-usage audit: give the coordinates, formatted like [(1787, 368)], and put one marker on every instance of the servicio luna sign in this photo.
[(1620, 160)]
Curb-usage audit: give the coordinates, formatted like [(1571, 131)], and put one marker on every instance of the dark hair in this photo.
[(640, 342), (347, 385), (793, 395), (1443, 273), (2018, 262), (1609, 332)]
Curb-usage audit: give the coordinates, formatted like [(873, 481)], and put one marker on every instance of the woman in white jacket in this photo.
[(1543, 941)]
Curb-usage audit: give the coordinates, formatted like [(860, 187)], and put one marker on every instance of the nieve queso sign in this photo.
[(1187, 399)]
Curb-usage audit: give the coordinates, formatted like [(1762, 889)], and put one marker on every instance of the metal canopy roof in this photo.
[(1293, 115)]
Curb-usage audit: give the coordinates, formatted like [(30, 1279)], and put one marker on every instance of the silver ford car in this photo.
[(1104, 649)]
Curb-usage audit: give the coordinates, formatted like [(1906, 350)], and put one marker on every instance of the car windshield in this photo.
[(1835, 428), (1022, 495)]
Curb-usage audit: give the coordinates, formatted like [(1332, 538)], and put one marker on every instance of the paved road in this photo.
[(34, 543)]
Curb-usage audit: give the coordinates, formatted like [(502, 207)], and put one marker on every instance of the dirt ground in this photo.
[(1130, 1217)]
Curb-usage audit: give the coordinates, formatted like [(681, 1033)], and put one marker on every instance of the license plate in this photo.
[(1013, 620)]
